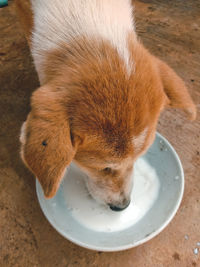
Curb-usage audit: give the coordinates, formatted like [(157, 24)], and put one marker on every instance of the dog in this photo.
[(100, 97)]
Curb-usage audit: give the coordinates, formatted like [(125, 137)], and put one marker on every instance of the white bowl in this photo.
[(163, 158)]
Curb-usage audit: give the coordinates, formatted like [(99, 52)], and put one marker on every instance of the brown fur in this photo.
[(176, 90), (89, 109), (48, 148)]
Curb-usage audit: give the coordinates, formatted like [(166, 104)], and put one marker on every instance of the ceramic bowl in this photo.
[(163, 158)]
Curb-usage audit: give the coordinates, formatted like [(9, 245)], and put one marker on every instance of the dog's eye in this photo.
[(107, 170)]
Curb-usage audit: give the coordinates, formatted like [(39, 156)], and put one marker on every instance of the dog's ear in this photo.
[(175, 90), (47, 145)]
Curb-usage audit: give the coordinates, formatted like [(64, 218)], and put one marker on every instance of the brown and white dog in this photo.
[(100, 98)]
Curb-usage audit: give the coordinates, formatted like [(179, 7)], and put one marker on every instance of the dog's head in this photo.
[(103, 119)]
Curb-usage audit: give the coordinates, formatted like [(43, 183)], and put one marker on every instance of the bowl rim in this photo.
[(137, 243)]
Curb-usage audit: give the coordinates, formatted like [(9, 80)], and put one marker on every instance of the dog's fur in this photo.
[(100, 98)]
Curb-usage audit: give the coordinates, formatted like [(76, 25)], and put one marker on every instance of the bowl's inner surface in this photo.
[(155, 199)]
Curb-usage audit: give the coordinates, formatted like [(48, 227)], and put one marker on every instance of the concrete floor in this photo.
[(171, 30)]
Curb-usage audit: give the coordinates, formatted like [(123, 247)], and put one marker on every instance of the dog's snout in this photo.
[(116, 208), (120, 207)]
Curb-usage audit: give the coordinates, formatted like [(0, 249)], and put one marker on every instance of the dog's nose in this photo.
[(119, 208)]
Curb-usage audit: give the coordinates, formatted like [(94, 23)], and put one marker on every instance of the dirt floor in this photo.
[(171, 30)]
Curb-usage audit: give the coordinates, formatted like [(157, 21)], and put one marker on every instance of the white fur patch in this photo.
[(22, 137), (138, 141), (58, 21)]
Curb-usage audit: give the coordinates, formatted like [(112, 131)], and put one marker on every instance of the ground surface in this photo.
[(171, 30)]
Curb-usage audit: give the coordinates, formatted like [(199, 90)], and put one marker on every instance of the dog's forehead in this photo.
[(99, 152), (123, 163), (93, 161)]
